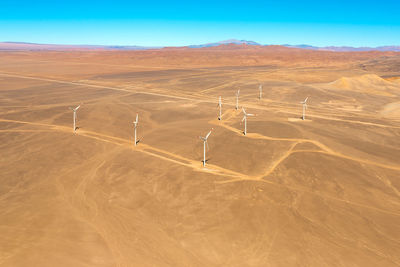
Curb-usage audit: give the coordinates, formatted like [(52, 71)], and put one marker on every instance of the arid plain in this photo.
[(319, 192)]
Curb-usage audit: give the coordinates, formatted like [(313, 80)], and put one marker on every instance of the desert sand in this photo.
[(319, 192)]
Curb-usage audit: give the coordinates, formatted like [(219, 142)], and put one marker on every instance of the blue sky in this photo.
[(173, 23)]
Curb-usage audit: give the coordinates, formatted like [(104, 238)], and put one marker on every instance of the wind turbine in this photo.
[(237, 99), (135, 123), (74, 110), (304, 108), (260, 87), (220, 108), (204, 146), (245, 119)]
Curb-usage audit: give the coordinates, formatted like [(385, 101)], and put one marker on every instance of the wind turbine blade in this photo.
[(208, 134), (244, 111), (250, 114), (137, 118), (305, 100), (244, 117), (77, 107)]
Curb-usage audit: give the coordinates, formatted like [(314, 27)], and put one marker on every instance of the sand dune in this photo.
[(366, 83), (361, 81)]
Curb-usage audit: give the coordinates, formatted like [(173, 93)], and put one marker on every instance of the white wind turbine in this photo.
[(237, 99), (245, 119), (204, 146), (135, 123), (260, 87), (304, 108), (220, 108), (74, 110)]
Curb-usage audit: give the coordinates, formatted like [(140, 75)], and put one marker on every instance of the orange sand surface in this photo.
[(324, 191)]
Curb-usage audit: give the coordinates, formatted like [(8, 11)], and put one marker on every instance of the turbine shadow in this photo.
[(206, 160)]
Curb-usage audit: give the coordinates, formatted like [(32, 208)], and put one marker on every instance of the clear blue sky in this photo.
[(173, 23)]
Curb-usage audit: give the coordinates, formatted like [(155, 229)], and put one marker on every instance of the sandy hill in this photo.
[(368, 83), (362, 81)]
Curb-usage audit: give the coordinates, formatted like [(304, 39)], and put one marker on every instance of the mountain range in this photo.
[(242, 43), (58, 47)]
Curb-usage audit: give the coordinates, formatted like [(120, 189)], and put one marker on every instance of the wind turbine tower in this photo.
[(204, 145), (74, 110), (304, 108), (220, 108), (245, 120), (135, 123)]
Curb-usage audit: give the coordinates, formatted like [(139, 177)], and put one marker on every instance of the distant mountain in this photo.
[(302, 46), (347, 48), (13, 46), (230, 41)]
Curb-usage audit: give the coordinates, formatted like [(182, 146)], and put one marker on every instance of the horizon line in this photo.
[(228, 41)]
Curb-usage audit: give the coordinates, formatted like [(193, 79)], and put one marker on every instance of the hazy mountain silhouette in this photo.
[(36, 47)]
